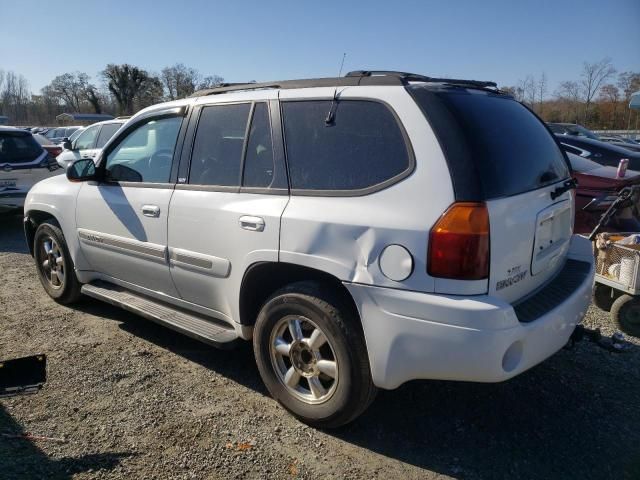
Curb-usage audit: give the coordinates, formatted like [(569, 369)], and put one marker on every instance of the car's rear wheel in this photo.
[(312, 357), (54, 264)]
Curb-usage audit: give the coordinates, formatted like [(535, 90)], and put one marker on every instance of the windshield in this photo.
[(18, 147)]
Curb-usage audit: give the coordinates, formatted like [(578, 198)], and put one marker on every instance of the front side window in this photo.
[(363, 147), (217, 148), (86, 139), (146, 153)]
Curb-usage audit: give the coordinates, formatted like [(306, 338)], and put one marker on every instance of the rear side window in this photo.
[(217, 147), (106, 132), (363, 147), (18, 148), (492, 140)]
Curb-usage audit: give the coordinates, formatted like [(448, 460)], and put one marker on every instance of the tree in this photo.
[(151, 92), (610, 94), (628, 82), (593, 76), (125, 82), (569, 93), (210, 81), (71, 89), (94, 98), (179, 81), (15, 96), (542, 91)]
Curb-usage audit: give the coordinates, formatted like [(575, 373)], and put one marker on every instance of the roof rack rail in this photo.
[(415, 77), (355, 78)]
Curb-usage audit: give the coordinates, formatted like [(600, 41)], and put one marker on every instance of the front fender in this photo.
[(56, 197)]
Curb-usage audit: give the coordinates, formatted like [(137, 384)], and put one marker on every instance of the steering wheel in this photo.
[(161, 160)]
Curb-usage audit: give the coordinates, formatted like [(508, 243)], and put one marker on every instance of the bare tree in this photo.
[(15, 96), (125, 82), (93, 98), (71, 89), (569, 93), (593, 76), (179, 81), (628, 82), (611, 94), (210, 81), (542, 91)]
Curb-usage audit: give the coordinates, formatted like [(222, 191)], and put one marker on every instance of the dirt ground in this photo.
[(132, 399)]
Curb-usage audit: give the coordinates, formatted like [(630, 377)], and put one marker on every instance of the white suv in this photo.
[(363, 231)]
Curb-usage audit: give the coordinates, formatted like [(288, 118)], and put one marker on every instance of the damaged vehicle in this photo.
[(361, 231)]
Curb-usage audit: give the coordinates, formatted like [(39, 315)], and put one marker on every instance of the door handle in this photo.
[(150, 210), (254, 224)]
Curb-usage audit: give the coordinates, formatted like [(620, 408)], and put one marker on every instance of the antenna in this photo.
[(332, 110), (344, 55)]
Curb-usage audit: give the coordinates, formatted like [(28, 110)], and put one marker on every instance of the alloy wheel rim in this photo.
[(304, 360), (52, 263)]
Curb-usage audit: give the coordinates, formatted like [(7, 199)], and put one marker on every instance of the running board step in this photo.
[(194, 326)]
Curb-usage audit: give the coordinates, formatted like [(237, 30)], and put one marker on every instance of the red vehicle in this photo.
[(54, 150), (598, 187)]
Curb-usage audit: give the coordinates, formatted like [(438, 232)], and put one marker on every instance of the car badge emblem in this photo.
[(7, 168)]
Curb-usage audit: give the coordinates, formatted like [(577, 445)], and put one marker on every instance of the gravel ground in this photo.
[(135, 400)]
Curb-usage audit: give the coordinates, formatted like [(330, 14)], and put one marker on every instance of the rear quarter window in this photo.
[(494, 145), (364, 148)]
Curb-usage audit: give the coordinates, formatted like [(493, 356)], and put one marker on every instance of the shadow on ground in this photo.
[(559, 420), (34, 462)]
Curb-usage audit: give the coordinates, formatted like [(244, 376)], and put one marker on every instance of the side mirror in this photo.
[(66, 144), (82, 170)]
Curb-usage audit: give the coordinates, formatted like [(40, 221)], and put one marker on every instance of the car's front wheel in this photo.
[(312, 357), (54, 264)]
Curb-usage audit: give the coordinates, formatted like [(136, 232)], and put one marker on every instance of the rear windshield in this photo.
[(18, 147), (495, 146)]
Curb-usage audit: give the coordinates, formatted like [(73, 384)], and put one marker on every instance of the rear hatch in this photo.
[(502, 155)]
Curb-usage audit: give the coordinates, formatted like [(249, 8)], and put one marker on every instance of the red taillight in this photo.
[(459, 243)]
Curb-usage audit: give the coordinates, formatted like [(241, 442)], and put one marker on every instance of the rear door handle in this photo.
[(254, 224), (151, 210)]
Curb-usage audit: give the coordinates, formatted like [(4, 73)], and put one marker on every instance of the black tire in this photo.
[(352, 387), (625, 311), (68, 288), (604, 296)]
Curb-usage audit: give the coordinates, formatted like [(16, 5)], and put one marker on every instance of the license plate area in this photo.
[(553, 232)]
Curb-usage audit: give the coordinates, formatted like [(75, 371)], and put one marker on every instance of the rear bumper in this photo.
[(413, 335)]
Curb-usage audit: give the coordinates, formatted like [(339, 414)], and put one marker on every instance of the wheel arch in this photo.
[(32, 220), (262, 279)]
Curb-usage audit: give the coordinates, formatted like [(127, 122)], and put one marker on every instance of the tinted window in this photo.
[(505, 147), (106, 132), (259, 167), (86, 139), (363, 147), (146, 153), (18, 147), (217, 148)]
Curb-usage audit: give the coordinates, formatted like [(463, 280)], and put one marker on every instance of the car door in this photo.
[(231, 192), (122, 219)]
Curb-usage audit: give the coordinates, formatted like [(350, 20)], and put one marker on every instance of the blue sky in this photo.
[(246, 40)]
